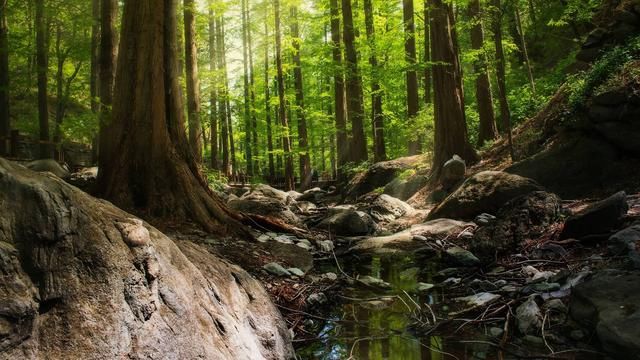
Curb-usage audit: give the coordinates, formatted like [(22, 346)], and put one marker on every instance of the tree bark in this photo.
[(355, 103), (267, 103), (525, 52), (247, 101), (5, 122), (487, 130), (427, 54), (152, 169), (252, 91), (450, 126), (505, 113), (106, 72), (377, 115), (223, 95), (213, 96), (42, 64), (93, 78), (413, 102), (339, 91), (286, 139), (193, 83), (303, 142)]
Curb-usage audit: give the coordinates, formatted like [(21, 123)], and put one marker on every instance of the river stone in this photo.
[(374, 282), (462, 257), (607, 305), (276, 269), (598, 218), (317, 299), (296, 272), (346, 221), (479, 299), (325, 245), (626, 242), (424, 287), (378, 175), (484, 192), (453, 172), (529, 317), (71, 287), (387, 208)]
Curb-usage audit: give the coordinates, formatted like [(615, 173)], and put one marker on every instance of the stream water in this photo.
[(379, 324)]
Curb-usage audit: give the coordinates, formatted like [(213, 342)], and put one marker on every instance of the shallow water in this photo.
[(363, 329)]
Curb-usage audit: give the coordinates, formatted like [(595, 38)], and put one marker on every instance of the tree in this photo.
[(150, 166), (487, 130), (93, 79), (106, 73), (339, 89), (450, 126), (42, 60), (213, 96), (252, 91), (193, 83), (247, 100), (523, 46), (5, 124), (505, 113), (427, 54), (413, 102), (355, 105), (377, 116), (223, 94), (286, 138), (303, 142), (267, 103)]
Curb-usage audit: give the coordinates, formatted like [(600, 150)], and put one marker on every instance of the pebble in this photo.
[(276, 269), (296, 272)]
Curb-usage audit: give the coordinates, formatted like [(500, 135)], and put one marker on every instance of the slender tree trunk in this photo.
[(60, 58), (484, 98), (152, 169), (42, 64), (93, 79), (193, 83), (505, 113), (5, 123), (106, 73), (427, 54), (213, 96), (450, 126), (247, 101), (377, 115), (267, 103), (223, 93), (413, 102), (303, 142), (339, 91), (355, 103), (286, 138), (525, 52), (252, 91)]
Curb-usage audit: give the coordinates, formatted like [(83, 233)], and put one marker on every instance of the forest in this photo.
[(320, 179)]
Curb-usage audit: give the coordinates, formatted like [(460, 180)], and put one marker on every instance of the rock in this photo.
[(73, 287), (484, 192), (610, 97), (305, 246), (598, 218), (534, 275), (133, 232), (495, 332), (533, 340), (529, 317), (378, 175), (387, 208), (380, 304), (276, 269), (330, 276), (283, 239), (265, 206), (296, 272), (262, 190), (304, 207), (314, 195), (484, 219), (374, 282), (85, 178), (483, 285), (607, 306), (541, 287), (479, 299), (556, 311), (453, 172), (624, 135), (317, 299), (523, 218), (412, 239), (263, 238), (626, 243), (48, 165), (325, 245), (424, 287), (462, 257), (346, 221), (404, 188)]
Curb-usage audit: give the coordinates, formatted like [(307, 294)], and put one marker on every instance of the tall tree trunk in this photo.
[(525, 52), (303, 142), (106, 73), (223, 93), (252, 91), (213, 96), (413, 102), (193, 83), (355, 103), (286, 138), (5, 124), (505, 113), (377, 116), (339, 91), (93, 78), (42, 64), (450, 126), (153, 169), (427, 54), (267, 103), (487, 130), (247, 101)]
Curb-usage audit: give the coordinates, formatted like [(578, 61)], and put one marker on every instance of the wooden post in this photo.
[(13, 146)]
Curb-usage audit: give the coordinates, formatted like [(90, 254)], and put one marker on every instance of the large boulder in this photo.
[(597, 219), (524, 218), (266, 191), (453, 172), (378, 175), (607, 305), (484, 192), (265, 206), (82, 279), (387, 208), (48, 165), (347, 221), (404, 187)]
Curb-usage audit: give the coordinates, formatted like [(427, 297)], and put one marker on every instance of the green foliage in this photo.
[(216, 180), (582, 85)]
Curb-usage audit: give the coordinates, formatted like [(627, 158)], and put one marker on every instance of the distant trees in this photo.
[(193, 81), (42, 61), (5, 125), (413, 102), (377, 115)]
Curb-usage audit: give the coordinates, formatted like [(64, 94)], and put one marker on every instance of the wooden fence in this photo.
[(23, 148)]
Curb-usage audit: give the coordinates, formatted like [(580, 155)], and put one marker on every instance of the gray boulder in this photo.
[(48, 165), (74, 266), (453, 172), (459, 256), (346, 221), (626, 242), (484, 192), (378, 175), (599, 218), (387, 208), (404, 188), (265, 206)]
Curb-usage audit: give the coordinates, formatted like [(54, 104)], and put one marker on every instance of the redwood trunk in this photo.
[(42, 64), (193, 83), (5, 124), (267, 103), (223, 94), (505, 113), (411, 74), (427, 54), (339, 90), (379, 150), (303, 142), (213, 96), (106, 73), (247, 101)]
